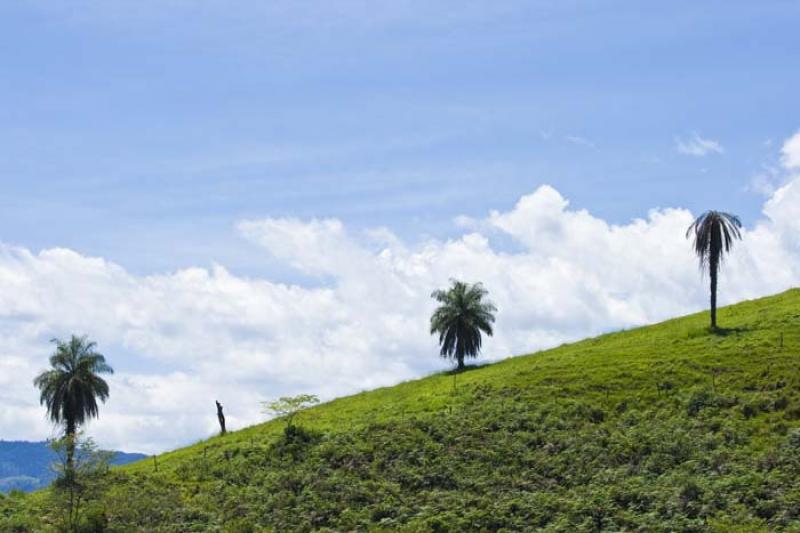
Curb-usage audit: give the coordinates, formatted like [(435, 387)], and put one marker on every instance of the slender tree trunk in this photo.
[(70, 434), (713, 276), (460, 351)]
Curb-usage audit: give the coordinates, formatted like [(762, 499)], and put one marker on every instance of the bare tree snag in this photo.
[(221, 418)]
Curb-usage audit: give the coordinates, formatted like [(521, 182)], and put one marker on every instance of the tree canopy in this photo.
[(461, 318), (72, 386)]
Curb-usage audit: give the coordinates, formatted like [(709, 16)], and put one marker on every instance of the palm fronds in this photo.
[(461, 318)]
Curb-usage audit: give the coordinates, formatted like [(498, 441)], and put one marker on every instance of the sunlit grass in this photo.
[(667, 426)]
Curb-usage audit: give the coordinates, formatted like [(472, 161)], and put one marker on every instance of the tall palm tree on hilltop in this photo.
[(71, 387), (714, 234), (459, 320)]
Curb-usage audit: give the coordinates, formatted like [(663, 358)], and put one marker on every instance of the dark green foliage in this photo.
[(71, 387), (294, 442), (580, 438), (462, 315), (73, 503)]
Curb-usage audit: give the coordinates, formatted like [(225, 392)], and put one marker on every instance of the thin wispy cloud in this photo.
[(580, 141), (697, 146), (776, 174)]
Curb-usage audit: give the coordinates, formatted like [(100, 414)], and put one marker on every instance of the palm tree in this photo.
[(714, 235), (70, 389), (460, 319)]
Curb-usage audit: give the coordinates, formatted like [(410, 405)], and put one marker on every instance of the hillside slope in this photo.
[(661, 428)]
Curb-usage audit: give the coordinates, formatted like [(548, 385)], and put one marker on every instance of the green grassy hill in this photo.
[(661, 428)]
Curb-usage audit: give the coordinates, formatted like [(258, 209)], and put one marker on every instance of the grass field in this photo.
[(662, 428)]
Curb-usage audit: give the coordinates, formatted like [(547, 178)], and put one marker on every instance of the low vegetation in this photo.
[(662, 428)]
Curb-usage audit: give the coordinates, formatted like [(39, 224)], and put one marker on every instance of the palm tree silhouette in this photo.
[(460, 319), (714, 235), (70, 389)]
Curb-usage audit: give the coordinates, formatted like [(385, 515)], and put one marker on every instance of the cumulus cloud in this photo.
[(697, 146), (181, 340)]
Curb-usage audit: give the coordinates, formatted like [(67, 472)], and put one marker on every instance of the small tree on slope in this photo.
[(71, 387), (714, 234), (463, 314)]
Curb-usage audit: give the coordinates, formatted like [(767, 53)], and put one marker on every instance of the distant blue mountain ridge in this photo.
[(27, 466)]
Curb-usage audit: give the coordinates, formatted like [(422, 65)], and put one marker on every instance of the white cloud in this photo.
[(580, 141), (767, 181), (182, 340), (779, 173), (790, 152), (697, 146)]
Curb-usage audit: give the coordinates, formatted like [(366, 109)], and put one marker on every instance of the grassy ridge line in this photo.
[(624, 365), (660, 428)]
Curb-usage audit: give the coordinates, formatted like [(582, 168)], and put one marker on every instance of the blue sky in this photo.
[(142, 131), (245, 200)]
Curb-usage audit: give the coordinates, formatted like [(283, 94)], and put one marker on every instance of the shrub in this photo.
[(698, 401)]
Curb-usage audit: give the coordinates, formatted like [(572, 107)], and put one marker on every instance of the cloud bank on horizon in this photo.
[(182, 340)]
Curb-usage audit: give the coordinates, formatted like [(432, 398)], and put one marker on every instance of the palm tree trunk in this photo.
[(70, 434), (713, 276), (459, 353)]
